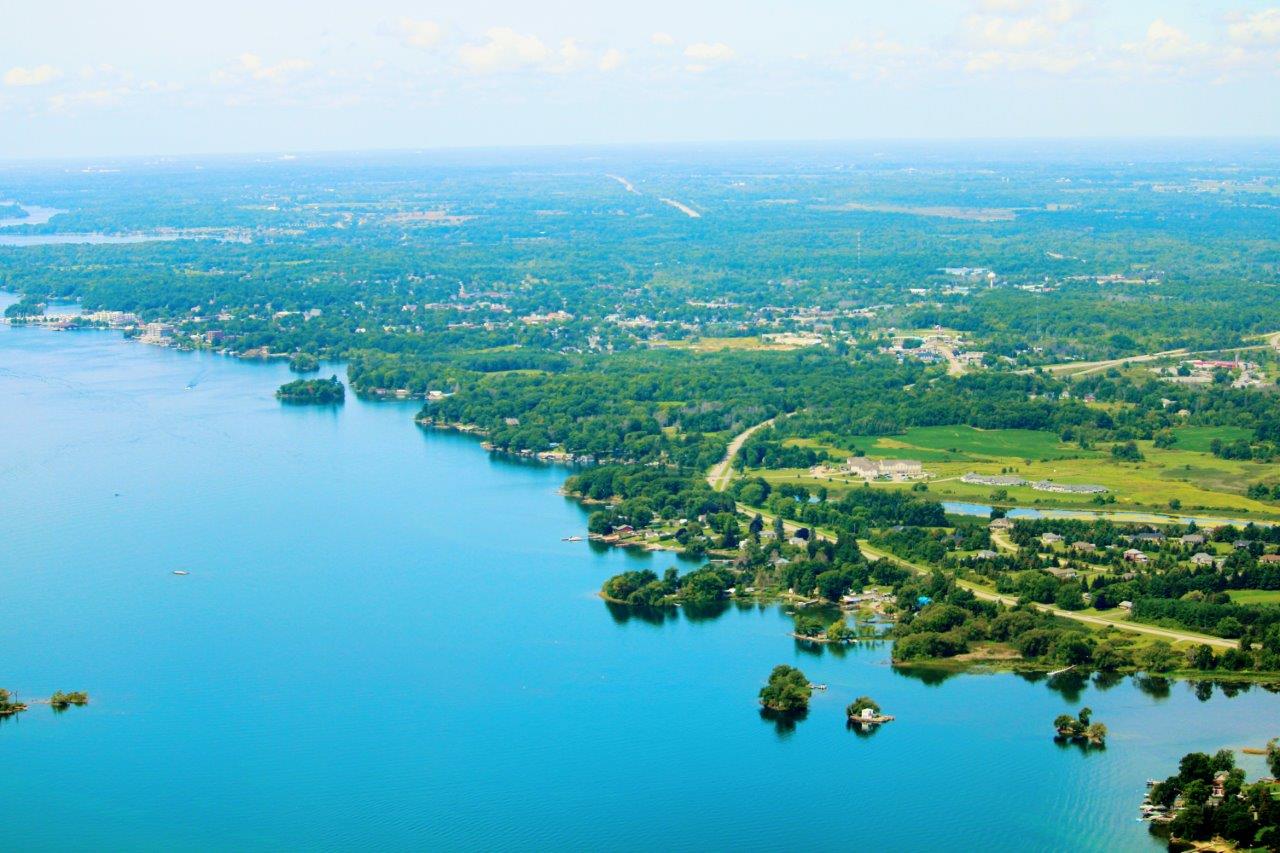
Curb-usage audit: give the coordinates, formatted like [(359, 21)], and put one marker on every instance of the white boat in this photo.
[(181, 572), (571, 539)]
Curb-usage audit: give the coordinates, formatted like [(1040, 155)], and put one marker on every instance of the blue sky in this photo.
[(136, 77)]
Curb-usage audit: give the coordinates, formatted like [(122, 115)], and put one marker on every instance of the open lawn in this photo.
[(1198, 438), (955, 443), (753, 342), (1203, 484), (1255, 596)]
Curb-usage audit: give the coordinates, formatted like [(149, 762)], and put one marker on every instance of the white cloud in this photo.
[(1256, 30), (611, 60), (1165, 44), (503, 50), (251, 64), (570, 54), (35, 76), (706, 52), (423, 34), (663, 39)]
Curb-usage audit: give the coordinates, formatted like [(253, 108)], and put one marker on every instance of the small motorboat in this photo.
[(181, 572)]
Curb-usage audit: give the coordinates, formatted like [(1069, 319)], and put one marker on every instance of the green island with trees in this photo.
[(1080, 728), (787, 691), (59, 701), (320, 391)]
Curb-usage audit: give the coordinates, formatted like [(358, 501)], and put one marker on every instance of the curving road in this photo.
[(722, 472)]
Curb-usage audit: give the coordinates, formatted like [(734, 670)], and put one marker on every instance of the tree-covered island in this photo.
[(787, 691), (1080, 728), (312, 391)]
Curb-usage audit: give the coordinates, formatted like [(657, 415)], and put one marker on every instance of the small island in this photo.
[(62, 701), (1080, 729), (312, 391), (865, 711), (787, 692), (59, 701), (813, 629), (304, 362), (9, 704)]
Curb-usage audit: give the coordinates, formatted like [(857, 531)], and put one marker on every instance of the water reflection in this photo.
[(784, 722), (1069, 684), (929, 676), (1081, 745), (862, 730), (1107, 680), (1155, 686)]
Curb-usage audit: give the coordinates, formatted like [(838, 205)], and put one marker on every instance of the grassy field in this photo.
[(1202, 483), (753, 342), (1255, 596), (1199, 438)]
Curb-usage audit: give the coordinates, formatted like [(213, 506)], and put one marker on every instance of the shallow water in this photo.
[(384, 643)]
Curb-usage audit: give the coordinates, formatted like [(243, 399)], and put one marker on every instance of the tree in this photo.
[(1202, 658), (855, 708), (839, 632), (787, 691), (809, 626), (1127, 452)]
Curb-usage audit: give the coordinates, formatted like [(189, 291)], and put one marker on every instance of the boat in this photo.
[(181, 572), (571, 539)]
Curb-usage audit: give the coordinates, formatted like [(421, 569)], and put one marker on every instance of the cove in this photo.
[(384, 643)]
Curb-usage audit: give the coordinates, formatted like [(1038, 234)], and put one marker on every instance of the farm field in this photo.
[(1197, 480)]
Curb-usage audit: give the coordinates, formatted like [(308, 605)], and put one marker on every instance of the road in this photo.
[(721, 473), (1084, 368), (1090, 619)]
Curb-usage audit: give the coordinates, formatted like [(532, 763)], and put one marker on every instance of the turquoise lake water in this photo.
[(383, 643)]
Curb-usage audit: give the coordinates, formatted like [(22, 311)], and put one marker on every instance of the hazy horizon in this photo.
[(148, 79)]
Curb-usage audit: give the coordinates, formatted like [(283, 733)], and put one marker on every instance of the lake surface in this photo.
[(383, 643), (1119, 515), (36, 214), (39, 215)]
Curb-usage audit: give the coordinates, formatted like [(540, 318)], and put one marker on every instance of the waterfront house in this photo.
[(984, 554), (1202, 559), (1125, 605), (1050, 539), (1133, 555), (1087, 547), (1241, 543), (1193, 539), (1000, 524), (1062, 574)]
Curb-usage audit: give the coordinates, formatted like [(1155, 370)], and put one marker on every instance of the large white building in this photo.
[(894, 469)]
